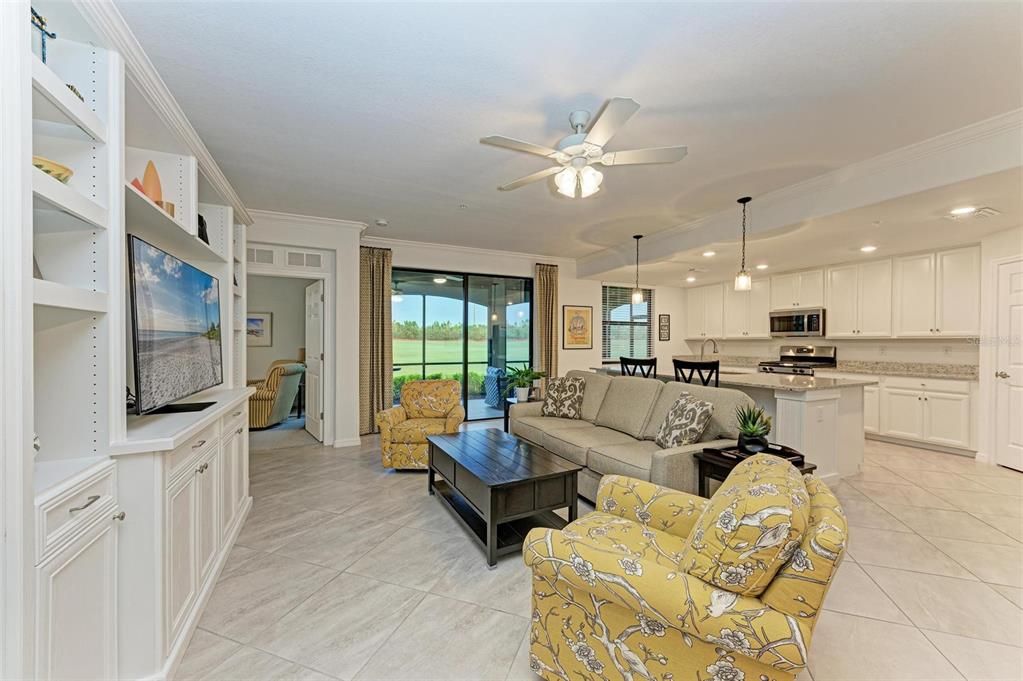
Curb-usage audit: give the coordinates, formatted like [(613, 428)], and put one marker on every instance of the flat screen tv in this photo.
[(175, 311)]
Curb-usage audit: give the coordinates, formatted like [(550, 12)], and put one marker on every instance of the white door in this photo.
[(902, 413), (810, 288), (229, 462), (914, 295), (1009, 367), (875, 300), (760, 310), (181, 568), (871, 409), (947, 419), (77, 607), (784, 291), (958, 292), (842, 297), (208, 514), (314, 359)]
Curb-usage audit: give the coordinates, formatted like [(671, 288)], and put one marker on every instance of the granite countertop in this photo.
[(786, 382), (962, 372)]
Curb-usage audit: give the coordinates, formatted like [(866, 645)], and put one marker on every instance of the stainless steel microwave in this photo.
[(789, 323)]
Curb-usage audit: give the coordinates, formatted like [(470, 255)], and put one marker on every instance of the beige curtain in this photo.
[(545, 291), (375, 369)]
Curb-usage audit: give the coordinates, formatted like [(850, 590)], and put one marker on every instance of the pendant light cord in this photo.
[(637, 263), (743, 237)]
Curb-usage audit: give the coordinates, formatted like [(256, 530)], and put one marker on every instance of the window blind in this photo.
[(626, 327)]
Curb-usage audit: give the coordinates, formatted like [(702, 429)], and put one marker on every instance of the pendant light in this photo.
[(637, 292), (743, 280)]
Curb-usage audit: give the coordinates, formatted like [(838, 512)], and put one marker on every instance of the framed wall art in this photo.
[(664, 327), (577, 327), (259, 329)]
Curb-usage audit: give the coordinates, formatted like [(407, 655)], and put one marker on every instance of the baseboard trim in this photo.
[(350, 442), (922, 445), (170, 665)]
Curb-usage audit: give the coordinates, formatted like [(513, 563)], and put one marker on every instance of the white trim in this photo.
[(108, 23), (385, 242), (307, 219), (351, 442)]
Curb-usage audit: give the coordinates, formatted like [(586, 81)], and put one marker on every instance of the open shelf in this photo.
[(50, 194), (149, 222), (57, 304), (52, 101)]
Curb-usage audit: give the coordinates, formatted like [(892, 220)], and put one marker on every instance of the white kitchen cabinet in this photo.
[(947, 419), (871, 408), (705, 312), (859, 300), (76, 625), (208, 512), (937, 294), (902, 413), (746, 313), (937, 411), (232, 483), (181, 555), (797, 290)]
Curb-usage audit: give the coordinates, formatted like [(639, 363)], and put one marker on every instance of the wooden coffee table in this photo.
[(500, 487)]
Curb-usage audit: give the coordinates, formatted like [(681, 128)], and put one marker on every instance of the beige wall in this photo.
[(283, 297)]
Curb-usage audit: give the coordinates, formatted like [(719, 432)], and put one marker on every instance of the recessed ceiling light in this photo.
[(963, 210), (439, 280), (709, 254), (690, 279), (868, 249), (380, 222), (762, 266)]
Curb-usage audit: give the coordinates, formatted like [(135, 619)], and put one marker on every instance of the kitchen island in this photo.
[(821, 417)]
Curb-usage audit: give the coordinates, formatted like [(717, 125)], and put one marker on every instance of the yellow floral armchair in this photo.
[(425, 408), (659, 584)]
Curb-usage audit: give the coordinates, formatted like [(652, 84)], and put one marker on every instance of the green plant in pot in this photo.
[(754, 426), (521, 379)]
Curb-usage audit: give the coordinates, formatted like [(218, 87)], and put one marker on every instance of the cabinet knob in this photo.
[(938, 330), (239, 431), (1001, 374), (120, 516)]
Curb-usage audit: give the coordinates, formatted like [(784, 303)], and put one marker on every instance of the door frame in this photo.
[(329, 311), (465, 320), (988, 426)]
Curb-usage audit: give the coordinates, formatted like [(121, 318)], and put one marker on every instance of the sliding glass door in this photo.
[(468, 327)]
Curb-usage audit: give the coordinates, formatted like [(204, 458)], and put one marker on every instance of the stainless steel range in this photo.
[(802, 360)]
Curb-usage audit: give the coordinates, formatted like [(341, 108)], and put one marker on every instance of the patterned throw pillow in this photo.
[(684, 423), (564, 398)]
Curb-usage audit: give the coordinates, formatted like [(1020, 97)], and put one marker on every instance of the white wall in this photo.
[(284, 298), (342, 238)]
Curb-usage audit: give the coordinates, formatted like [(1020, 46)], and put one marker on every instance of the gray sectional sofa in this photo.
[(620, 418)]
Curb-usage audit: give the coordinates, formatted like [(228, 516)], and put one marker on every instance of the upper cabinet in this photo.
[(747, 313), (859, 301), (797, 289), (937, 294), (705, 312)]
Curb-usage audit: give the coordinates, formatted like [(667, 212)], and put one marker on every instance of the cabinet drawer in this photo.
[(63, 516), (178, 459), (946, 385), (234, 419)]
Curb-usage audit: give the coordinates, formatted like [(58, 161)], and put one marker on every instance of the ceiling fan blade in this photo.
[(616, 112), (539, 175), (518, 145), (633, 157)]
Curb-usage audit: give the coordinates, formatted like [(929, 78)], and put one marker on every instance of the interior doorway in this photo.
[(1009, 366)]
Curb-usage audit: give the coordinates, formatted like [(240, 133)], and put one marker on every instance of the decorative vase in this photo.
[(752, 444), (522, 394)]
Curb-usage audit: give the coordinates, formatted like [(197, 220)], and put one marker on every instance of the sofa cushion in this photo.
[(532, 427), (593, 395), (631, 459), (564, 397), (573, 442), (414, 431), (685, 422), (615, 535), (628, 403), (751, 527), (722, 422)]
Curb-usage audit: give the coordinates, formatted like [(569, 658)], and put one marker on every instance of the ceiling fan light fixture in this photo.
[(589, 181), (566, 181)]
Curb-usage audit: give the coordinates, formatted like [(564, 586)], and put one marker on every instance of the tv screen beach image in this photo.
[(177, 327)]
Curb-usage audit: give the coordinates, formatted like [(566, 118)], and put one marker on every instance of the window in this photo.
[(627, 327)]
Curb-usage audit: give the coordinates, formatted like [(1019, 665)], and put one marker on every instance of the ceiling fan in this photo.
[(575, 155)]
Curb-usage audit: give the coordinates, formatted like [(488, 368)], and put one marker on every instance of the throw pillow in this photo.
[(684, 423), (564, 398)]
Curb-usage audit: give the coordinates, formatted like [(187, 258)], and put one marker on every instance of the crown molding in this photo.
[(270, 215), (985, 147), (386, 242), (104, 18)]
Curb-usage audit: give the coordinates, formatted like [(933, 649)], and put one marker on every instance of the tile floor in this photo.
[(346, 571)]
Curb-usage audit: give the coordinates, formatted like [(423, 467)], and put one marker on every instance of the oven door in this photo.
[(797, 323)]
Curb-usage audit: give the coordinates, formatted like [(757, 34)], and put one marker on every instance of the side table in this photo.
[(716, 464), (508, 402)]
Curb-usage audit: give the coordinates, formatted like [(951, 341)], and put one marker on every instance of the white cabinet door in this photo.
[(784, 291), (228, 479), (759, 310), (208, 512), (913, 294), (181, 567), (875, 300), (902, 413), (736, 313), (843, 294), (810, 287), (871, 408), (947, 419), (694, 313), (76, 625), (958, 292), (241, 482), (714, 311)]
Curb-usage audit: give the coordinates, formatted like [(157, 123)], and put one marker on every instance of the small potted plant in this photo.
[(754, 426), (521, 379)]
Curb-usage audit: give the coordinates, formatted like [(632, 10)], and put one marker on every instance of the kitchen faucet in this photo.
[(703, 346)]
